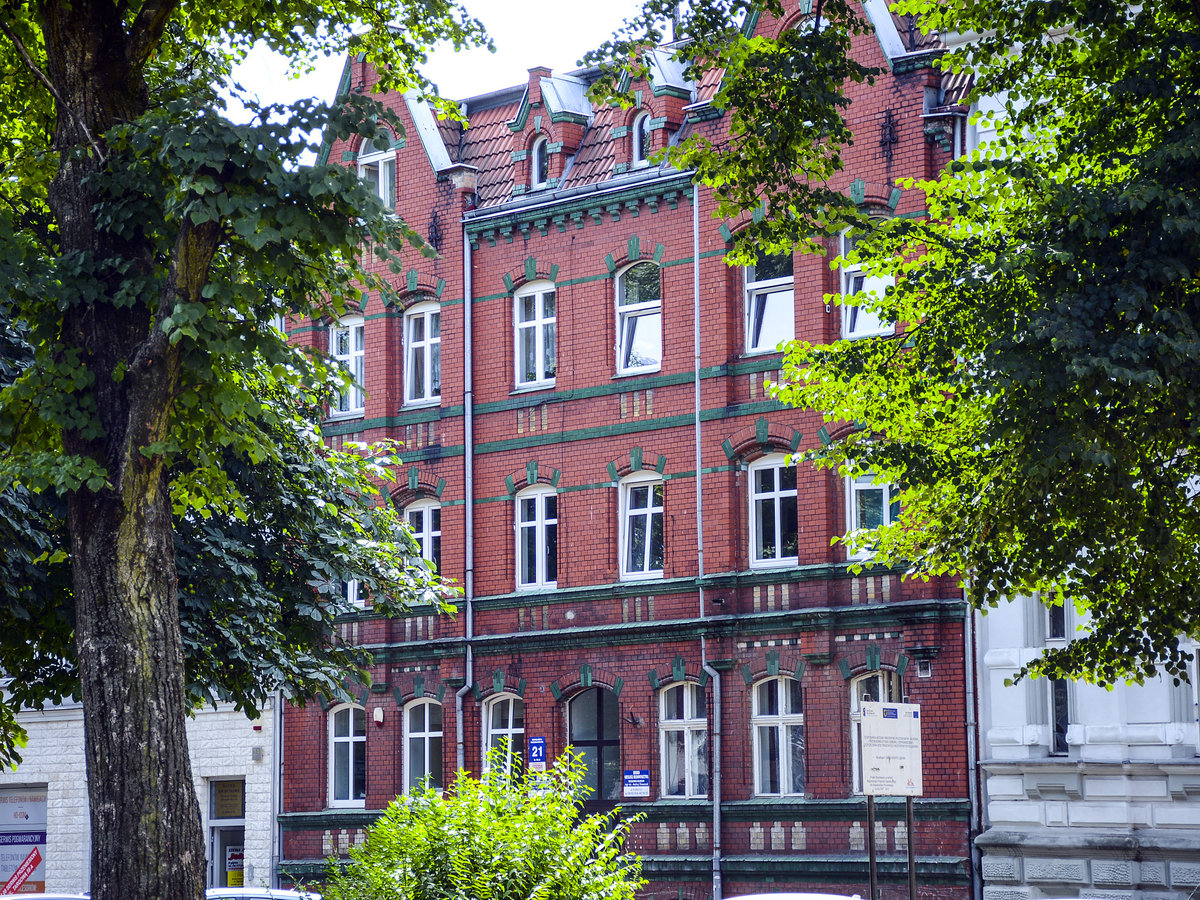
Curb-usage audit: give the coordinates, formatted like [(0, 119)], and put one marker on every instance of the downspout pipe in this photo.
[(709, 670), (468, 510), (976, 824), (276, 848)]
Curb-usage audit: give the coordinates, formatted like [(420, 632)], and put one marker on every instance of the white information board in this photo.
[(891, 749)]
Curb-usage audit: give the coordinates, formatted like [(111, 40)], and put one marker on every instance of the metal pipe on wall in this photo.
[(712, 673), (468, 509)]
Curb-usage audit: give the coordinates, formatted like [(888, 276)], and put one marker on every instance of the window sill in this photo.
[(422, 404), (867, 334), (627, 577), (341, 805), (536, 588), (532, 387), (788, 562), (630, 373), (346, 416), (768, 351)]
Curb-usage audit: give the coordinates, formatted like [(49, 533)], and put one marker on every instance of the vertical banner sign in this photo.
[(537, 754), (23, 840), (891, 749)]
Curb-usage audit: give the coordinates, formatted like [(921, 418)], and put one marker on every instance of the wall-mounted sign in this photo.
[(636, 783), (22, 840), (537, 754)]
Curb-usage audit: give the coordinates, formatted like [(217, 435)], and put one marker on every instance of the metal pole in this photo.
[(873, 871), (912, 848)]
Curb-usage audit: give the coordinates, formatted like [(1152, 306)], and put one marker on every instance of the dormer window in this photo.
[(539, 163), (377, 167), (640, 135)]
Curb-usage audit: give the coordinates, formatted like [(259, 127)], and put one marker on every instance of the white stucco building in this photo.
[(234, 763), (1089, 792)]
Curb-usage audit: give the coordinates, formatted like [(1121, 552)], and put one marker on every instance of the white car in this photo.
[(258, 893)]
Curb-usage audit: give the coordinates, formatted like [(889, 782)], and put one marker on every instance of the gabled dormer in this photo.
[(549, 127), (658, 111)]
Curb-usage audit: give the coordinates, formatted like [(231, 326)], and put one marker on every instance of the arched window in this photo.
[(537, 538), (347, 755), (423, 353), (770, 303), (596, 735), (504, 731), (377, 167), (639, 319), (857, 321), (774, 530), (883, 686), (347, 347), (422, 745), (536, 334), (539, 163), (639, 134), (641, 526), (777, 720), (424, 517), (683, 740)]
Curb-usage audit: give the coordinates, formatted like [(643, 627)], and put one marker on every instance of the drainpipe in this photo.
[(276, 848), (973, 774), (468, 507), (711, 672)]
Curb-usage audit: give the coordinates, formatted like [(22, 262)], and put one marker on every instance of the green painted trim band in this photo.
[(625, 428)]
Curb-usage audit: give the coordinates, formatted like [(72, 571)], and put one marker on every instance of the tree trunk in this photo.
[(147, 843)]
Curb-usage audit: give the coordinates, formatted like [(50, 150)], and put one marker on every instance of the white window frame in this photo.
[(855, 485), (776, 499), (539, 158), (356, 746), (425, 736), (639, 129), (539, 527), (627, 486), (691, 733), (382, 160), (891, 690), (540, 331), (353, 594), (514, 735), (354, 361), (780, 723), (627, 316), (758, 295), (858, 322), (429, 536), (423, 351)]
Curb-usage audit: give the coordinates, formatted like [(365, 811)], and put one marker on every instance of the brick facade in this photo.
[(579, 436)]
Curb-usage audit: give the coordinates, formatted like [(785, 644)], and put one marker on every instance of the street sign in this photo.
[(891, 749)]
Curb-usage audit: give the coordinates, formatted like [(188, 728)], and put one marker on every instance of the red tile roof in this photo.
[(488, 145)]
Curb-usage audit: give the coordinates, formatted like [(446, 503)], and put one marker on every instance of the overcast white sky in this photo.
[(526, 33)]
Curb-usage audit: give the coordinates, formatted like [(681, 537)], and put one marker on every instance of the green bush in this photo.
[(500, 837)]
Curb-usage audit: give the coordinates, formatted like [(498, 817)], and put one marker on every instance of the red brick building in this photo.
[(645, 575)]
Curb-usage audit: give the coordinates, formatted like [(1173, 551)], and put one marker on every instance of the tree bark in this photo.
[(147, 842)]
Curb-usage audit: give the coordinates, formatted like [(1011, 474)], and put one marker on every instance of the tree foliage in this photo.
[(498, 837), (1040, 408)]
